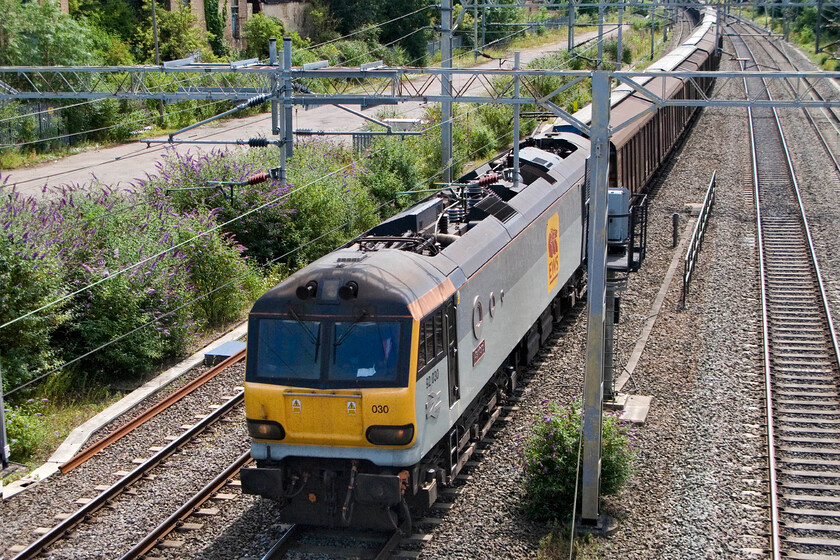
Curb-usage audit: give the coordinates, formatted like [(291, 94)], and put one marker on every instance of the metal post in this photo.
[(483, 27), (516, 109), (275, 107), (593, 388), (571, 26), (446, 90), (819, 27), (609, 337), (157, 56), (619, 52), (652, 28), (675, 223), (285, 116), (475, 30), (786, 28), (4, 444), (600, 35), (772, 9)]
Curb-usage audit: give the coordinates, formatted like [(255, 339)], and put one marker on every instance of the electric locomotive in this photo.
[(372, 372)]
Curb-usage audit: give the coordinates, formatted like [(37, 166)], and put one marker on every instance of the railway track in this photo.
[(800, 352), (108, 494), (824, 121), (308, 541), (190, 507), (117, 434)]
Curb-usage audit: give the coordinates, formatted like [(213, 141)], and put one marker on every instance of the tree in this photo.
[(353, 14), (117, 17), (40, 34), (216, 20), (258, 30), (178, 35), (413, 28)]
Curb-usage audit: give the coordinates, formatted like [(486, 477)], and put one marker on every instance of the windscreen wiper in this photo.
[(350, 329), (312, 338)]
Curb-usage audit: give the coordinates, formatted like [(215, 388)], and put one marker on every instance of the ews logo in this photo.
[(552, 243)]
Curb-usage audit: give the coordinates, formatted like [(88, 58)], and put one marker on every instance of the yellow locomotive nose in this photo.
[(373, 417), (321, 418)]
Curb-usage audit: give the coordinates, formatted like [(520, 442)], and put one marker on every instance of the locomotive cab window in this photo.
[(362, 350), (334, 354), (432, 343), (288, 349)]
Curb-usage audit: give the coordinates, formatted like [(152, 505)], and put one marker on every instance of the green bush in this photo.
[(29, 279), (107, 235), (497, 118), (258, 29), (26, 426), (329, 205), (551, 459), (611, 51), (394, 167), (217, 271)]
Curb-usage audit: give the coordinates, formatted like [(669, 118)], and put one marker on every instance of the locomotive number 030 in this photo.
[(379, 409)]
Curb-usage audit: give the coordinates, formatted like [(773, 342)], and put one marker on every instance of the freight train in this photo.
[(372, 372)]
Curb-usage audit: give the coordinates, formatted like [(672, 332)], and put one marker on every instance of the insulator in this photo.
[(443, 223), (258, 142), (473, 191), (258, 178), (258, 100), (455, 214), (488, 179)]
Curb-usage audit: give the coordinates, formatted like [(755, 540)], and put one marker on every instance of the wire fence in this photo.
[(41, 121)]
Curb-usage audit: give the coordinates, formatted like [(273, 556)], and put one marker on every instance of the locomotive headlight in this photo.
[(390, 435), (264, 429)]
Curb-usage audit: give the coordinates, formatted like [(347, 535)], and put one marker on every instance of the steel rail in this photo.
[(127, 428), (279, 549), (775, 545), (780, 343), (392, 543), (809, 238), (768, 390), (173, 521), (117, 488)]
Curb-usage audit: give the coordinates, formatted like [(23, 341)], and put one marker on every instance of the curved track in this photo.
[(800, 351)]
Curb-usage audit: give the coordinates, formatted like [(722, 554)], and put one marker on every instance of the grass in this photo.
[(37, 426), (555, 545)]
